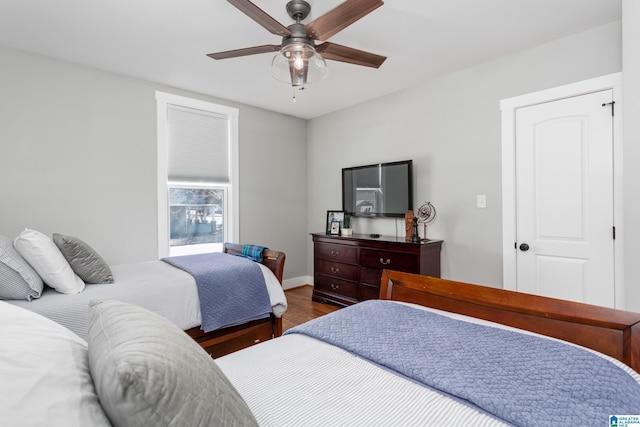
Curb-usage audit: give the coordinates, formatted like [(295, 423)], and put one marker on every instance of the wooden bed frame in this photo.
[(612, 332), (224, 341)]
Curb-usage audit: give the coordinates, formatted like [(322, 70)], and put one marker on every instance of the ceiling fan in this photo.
[(299, 61)]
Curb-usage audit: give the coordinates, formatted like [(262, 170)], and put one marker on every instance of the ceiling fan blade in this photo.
[(246, 51), (261, 17), (341, 53), (340, 18)]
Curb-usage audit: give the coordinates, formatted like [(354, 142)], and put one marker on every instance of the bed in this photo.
[(172, 292), (227, 340), (327, 385), (315, 375)]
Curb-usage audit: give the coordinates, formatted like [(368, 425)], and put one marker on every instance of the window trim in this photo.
[(233, 202)]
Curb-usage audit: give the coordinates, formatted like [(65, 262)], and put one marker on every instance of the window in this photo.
[(197, 175)]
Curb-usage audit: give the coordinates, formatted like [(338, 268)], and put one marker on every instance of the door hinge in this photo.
[(614, 233), (612, 103)]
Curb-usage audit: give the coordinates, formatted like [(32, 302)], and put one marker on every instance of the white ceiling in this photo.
[(166, 41)]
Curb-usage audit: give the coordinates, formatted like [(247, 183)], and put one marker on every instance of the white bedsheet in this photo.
[(154, 285), (322, 385)]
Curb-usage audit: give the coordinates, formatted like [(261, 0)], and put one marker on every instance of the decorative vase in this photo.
[(346, 226), (408, 224)]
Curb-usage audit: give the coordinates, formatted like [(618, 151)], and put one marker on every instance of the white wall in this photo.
[(77, 154), (78, 157), (450, 127), (631, 136)]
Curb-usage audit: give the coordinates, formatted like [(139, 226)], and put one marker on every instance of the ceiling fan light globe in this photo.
[(298, 64)]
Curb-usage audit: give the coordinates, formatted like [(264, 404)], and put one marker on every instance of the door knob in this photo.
[(524, 247)]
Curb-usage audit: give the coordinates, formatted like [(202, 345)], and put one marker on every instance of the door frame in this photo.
[(508, 108)]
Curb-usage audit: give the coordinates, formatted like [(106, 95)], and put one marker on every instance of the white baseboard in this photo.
[(296, 282)]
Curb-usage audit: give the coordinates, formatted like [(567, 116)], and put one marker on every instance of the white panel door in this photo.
[(564, 199)]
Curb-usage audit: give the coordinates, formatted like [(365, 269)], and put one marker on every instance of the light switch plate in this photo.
[(482, 201)]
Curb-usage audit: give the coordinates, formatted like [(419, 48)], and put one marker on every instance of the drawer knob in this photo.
[(383, 262), (256, 341), (335, 253), (335, 287), (335, 270)]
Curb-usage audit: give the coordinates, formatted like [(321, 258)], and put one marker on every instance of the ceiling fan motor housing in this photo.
[(298, 35)]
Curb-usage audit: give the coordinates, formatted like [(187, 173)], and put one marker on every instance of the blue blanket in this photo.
[(253, 252), (231, 289), (521, 379)]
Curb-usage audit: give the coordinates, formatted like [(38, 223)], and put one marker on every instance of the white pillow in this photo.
[(45, 374), (47, 260), (18, 280)]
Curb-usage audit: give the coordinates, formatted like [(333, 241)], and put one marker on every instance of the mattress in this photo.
[(154, 285)]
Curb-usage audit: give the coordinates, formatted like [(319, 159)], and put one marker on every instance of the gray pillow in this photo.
[(84, 261), (18, 280), (148, 372)]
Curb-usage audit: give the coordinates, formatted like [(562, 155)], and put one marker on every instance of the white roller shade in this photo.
[(198, 145)]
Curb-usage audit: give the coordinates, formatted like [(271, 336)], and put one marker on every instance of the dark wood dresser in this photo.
[(348, 269)]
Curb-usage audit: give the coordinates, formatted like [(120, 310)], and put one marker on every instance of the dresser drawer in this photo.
[(369, 292), (336, 286), (336, 269), (390, 260), (370, 276), (346, 254)]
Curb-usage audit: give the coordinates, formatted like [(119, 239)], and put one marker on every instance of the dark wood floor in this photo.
[(301, 309)]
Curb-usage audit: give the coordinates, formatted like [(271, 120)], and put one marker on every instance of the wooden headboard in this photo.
[(274, 260), (612, 332)]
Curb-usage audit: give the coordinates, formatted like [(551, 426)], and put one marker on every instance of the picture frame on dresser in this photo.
[(334, 216), (335, 228)]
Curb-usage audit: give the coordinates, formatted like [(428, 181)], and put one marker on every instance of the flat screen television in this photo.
[(380, 190)]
